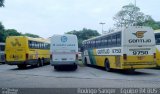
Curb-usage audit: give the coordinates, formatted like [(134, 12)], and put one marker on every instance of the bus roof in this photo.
[(115, 31), (30, 38), (63, 35)]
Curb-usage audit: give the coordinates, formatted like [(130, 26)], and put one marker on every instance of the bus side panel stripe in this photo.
[(91, 57)]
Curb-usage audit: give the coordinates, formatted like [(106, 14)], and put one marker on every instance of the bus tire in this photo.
[(85, 61), (56, 67), (42, 62), (74, 67), (131, 70), (38, 63), (21, 66), (107, 66)]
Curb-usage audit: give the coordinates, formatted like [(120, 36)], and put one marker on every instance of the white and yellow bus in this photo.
[(157, 37), (23, 51), (127, 48)]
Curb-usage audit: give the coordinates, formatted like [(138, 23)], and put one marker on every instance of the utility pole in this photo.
[(102, 23), (135, 2)]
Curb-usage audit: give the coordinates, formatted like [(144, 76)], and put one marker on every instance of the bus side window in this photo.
[(42, 45), (118, 39), (113, 40), (29, 44), (48, 46), (102, 42), (109, 41), (91, 44), (36, 45), (106, 42), (99, 43)]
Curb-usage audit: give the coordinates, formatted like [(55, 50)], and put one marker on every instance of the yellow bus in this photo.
[(128, 48), (23, 51), (157, 37)]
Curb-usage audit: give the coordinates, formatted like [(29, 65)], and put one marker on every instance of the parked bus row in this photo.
[(60, 51), (127, 48)]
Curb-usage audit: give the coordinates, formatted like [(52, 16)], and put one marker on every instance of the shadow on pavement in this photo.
[(27, 68), (123, 72)]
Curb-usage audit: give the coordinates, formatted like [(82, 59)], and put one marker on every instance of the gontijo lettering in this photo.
[(139, 40)]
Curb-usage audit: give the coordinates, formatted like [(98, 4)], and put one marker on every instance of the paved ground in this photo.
[(47, 77)]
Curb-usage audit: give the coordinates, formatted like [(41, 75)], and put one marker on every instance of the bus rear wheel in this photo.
[(42, 62), (21, 66), (38, 63), (107, 66), (56, 67), (85, 61), (131, 70)]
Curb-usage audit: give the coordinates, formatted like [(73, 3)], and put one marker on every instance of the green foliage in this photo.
[(31, 35), (1, 3), (8, 32), (12, 32), (84, 34), (131, 15), (152, 23)]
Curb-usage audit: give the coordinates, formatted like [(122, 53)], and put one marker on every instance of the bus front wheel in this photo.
[(107, 66), (74, 67)]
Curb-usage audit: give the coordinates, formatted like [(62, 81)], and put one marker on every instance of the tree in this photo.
[(12, 32), (1, 32), (8, 32), (129, 15), (84, 34), (152, 23), (1, 3), (31, 35)]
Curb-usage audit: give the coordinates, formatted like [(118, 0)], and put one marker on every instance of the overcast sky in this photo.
[(48, 17)]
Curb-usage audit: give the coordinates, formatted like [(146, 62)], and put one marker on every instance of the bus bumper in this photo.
[(27, 62), (138, 66), (15, 62), (53, 63)]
